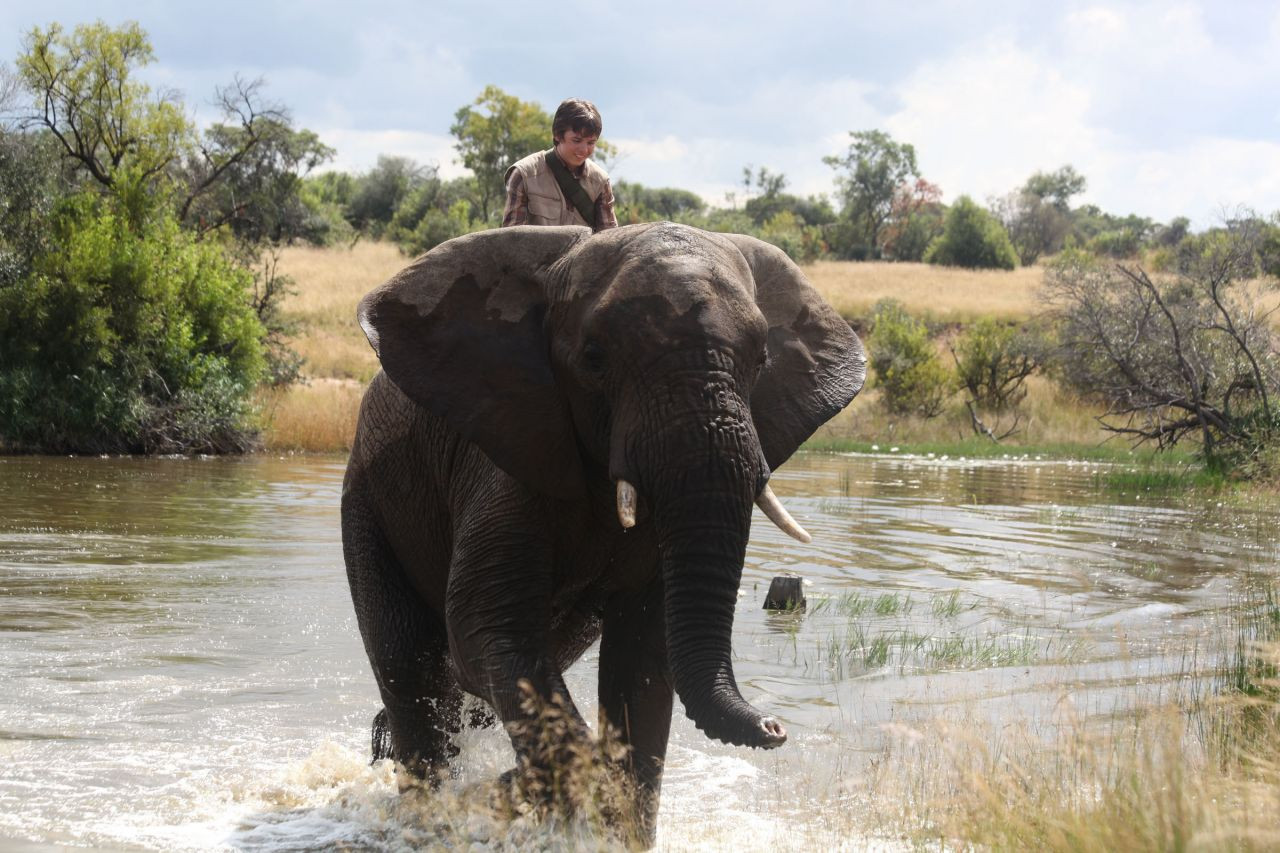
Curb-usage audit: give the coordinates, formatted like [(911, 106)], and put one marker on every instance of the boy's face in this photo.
[(575, 148)]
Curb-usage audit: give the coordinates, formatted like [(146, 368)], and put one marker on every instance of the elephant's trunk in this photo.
[(701, 504)]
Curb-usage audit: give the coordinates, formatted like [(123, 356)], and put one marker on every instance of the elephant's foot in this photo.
[(565, 771), (381, 737)]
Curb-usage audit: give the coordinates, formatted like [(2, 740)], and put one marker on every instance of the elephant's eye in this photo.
[(764, 359), (593, 358)]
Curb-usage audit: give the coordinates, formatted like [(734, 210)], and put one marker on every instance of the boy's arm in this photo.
[(605, 217), (516, 211)]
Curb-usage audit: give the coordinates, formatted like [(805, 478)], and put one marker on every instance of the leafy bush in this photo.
[(1122, 243), (915, 220), (377, 195), (802, 243), (121, 340), (993, 360), (912, 240), (437, 226), (637, 203), (908, 372), (29, 190), (972, 237)]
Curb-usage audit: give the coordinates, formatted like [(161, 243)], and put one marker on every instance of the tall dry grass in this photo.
[(1050, 416), (937, 294), (330, 281), (1199, 771), (318, 416)]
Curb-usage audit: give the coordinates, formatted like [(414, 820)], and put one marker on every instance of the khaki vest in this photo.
[(547, 205)]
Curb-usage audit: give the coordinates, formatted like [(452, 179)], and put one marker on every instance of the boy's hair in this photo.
[(578, 115)]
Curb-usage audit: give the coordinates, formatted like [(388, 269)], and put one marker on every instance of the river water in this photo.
[(180, 666)]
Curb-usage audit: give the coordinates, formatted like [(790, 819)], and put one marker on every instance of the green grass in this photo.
[(1162, 479), (976, 448), (948, 606), (855, 604), (905, 650)]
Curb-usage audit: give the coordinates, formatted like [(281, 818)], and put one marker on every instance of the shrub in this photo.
[(29, 174), (127, 338), (802, 243), (993, 360), (1121, 243), (437, 226), (972, 237), (908, 372), (912, 240), (1191, 354)]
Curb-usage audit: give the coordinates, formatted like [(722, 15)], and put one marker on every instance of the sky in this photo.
[(1167, 108)]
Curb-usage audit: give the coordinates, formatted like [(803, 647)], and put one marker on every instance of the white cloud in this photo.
[(1094, 27), (1149, 36), (1199, 180), (359, 149), (665, 150), (986, 118)]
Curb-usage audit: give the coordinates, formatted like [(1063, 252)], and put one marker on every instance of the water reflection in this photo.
[(182, 670)]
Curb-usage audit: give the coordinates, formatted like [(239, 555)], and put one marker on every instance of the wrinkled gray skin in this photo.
[(526, 370)]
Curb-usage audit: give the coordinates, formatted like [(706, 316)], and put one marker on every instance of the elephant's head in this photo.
[(672, 363)]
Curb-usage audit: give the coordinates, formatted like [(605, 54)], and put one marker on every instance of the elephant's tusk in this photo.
[(626, 504), (772, 507)]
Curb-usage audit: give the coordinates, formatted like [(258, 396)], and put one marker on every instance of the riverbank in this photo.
[(319, 414)]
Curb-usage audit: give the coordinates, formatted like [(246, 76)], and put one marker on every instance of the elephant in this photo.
[(564, 444)]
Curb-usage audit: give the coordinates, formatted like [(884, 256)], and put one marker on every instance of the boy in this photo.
[(562, 186)]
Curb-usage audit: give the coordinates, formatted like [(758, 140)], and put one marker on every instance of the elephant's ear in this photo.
[(460, 331), (816, 363)]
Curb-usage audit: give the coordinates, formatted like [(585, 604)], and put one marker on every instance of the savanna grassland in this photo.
[(319, 416)]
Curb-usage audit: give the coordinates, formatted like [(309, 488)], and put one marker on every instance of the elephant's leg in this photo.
[(498, 612), (636, 692), (408, 649)]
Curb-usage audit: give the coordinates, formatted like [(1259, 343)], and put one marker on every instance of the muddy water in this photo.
[(180, 667)]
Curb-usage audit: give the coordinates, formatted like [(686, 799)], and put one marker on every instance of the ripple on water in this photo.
[(183, 670)]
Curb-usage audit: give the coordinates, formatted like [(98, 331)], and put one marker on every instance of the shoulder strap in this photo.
[(572, 190)]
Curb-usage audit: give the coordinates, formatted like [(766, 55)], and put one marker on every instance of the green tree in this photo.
[(874, 167), (112, 126), (915, 219), (494, 132), (432, 212), (766, 200), (246, 172), (29, 191), (243, 173), (378, 194), (1089, 221), (972, 237), (1037, 215), (127, 337), (1056, 188), (637, 203), (139, 303)]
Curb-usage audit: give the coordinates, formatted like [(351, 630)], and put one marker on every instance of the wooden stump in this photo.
[(785, 593)]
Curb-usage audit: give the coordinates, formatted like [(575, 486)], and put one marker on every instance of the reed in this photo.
[(328, 283), (1197, 773), (316, 417)]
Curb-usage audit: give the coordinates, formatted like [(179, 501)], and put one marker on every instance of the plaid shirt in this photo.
[(517, 210)]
